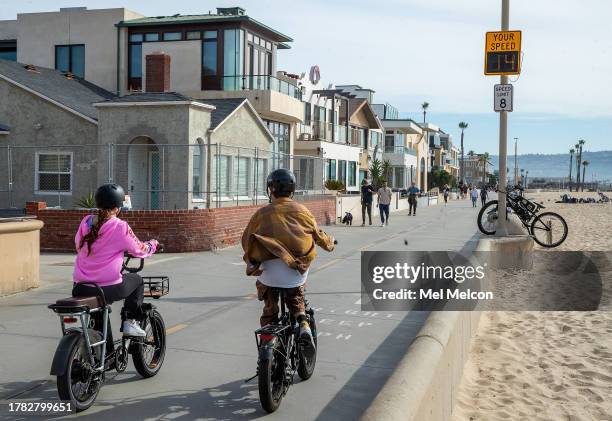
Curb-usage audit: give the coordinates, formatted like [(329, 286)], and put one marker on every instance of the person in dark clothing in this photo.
[(366, 201), (483, 196), (413, 191)]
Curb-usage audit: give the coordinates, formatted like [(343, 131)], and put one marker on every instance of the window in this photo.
[(342, 171), (305, 174), (352, 168), (331, 169), (136, 60), (8, 50), (151, 37), (209, 53), (70, 58), (172, 36), (233, 58), (197, 171), (307, 112), (53, 172), (374, 138), (136, 37), (221, 174), (280, 133), (362, 137), (242, 176), (193, 35), (261, 176)]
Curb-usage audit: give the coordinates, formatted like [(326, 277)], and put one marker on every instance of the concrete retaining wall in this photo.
[(19, 256), (424, 384)]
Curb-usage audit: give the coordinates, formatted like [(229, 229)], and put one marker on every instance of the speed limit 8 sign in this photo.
[(503, 97)]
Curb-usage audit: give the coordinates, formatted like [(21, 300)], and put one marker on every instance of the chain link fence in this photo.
[(154, 176)]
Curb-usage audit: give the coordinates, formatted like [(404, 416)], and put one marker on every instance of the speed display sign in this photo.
[(503, 53)]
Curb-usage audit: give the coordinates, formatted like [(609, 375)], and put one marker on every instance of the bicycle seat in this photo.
[(89, 302)]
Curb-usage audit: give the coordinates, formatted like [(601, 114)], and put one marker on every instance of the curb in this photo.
[(424, 384)]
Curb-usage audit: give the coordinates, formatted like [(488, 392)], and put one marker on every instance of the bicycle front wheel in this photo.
[(149, 354), (487, 218), (549, 229)]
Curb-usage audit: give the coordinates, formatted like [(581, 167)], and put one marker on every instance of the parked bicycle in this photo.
[(548, 229), (86, 352)]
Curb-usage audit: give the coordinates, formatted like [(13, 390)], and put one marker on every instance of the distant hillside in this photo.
[(557, 165)]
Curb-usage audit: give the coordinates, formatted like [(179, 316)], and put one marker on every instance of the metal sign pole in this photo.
[(502, 229)]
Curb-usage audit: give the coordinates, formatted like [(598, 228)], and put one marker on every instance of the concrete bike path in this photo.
[(210, 315)]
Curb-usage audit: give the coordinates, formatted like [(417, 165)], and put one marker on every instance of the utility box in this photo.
[(19, 255)]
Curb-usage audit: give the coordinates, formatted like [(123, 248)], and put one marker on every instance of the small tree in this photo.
[(387, 168), (376, 171), (442, 177)]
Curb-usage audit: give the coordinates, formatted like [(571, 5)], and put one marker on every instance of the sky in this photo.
[(412, 51)]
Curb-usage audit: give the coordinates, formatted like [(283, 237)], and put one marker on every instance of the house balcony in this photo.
[(272, 97), (400, 156)]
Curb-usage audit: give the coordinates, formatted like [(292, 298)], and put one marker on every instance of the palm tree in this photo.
[(580, 143), (471, 153), (425, 106), (584, 166), (386, 168), (571, 151), (462, 125)]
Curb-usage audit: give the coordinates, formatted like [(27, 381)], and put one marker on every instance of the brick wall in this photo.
[(179, 230), (157, 72)]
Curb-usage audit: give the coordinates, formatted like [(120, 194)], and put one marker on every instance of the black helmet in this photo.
[(109, 196), (281, 182)]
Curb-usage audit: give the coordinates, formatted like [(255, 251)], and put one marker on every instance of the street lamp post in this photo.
[(516, 171)]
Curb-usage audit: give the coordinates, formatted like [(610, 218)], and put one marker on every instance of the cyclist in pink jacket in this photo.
[(101, 242)]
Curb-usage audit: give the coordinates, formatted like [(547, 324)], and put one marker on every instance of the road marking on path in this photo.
[(176, 328), (328, 264)]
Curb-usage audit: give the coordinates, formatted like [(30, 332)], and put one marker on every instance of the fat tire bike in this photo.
[(86, 352), (548, 229), (281, 354)]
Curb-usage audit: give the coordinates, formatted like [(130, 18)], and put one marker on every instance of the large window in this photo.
[(70, 58), (352, 173), (331, 169), (197, 171), (280, 132), (261, 175), (221, 175), (242, 176), (305, 174), (342, 171), (53, 172), (307, 112), (375, 139), (233, 58), (209, 61)]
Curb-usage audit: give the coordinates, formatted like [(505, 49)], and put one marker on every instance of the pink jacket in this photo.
[(103, 265)]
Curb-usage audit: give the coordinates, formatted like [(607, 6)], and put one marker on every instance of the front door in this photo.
[(154, 185)]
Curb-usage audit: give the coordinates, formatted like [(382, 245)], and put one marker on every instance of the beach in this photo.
[(545, 365)]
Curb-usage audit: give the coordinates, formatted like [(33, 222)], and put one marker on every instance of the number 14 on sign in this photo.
[(503, 95)]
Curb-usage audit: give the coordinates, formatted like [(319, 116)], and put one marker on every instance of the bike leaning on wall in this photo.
[(87, 351), (548, 229)]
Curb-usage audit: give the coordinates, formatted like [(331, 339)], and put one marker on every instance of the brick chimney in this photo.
[(158, 72)]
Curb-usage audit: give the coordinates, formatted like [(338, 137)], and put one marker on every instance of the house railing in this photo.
[(260, 82)]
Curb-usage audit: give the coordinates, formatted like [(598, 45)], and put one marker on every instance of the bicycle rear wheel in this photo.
[(271, 379), (487, 218), (306, 365), (549, 229)]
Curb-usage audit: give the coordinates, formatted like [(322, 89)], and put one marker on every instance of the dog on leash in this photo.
[(348, 219)]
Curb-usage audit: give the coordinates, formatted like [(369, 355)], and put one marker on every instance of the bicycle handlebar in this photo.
[(128, 257)]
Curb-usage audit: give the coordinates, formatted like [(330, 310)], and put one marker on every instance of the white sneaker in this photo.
[(382, 224), (131, 328)]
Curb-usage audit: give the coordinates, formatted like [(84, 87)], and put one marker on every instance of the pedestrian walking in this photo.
[(366, 201), (484, 195), (384, 201), (413, 191), (474, 195), (445, 193)]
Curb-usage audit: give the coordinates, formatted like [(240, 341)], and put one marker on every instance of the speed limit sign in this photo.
[(503, 97)]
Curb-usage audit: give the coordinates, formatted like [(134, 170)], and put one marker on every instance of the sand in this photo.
[(545, 365)]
